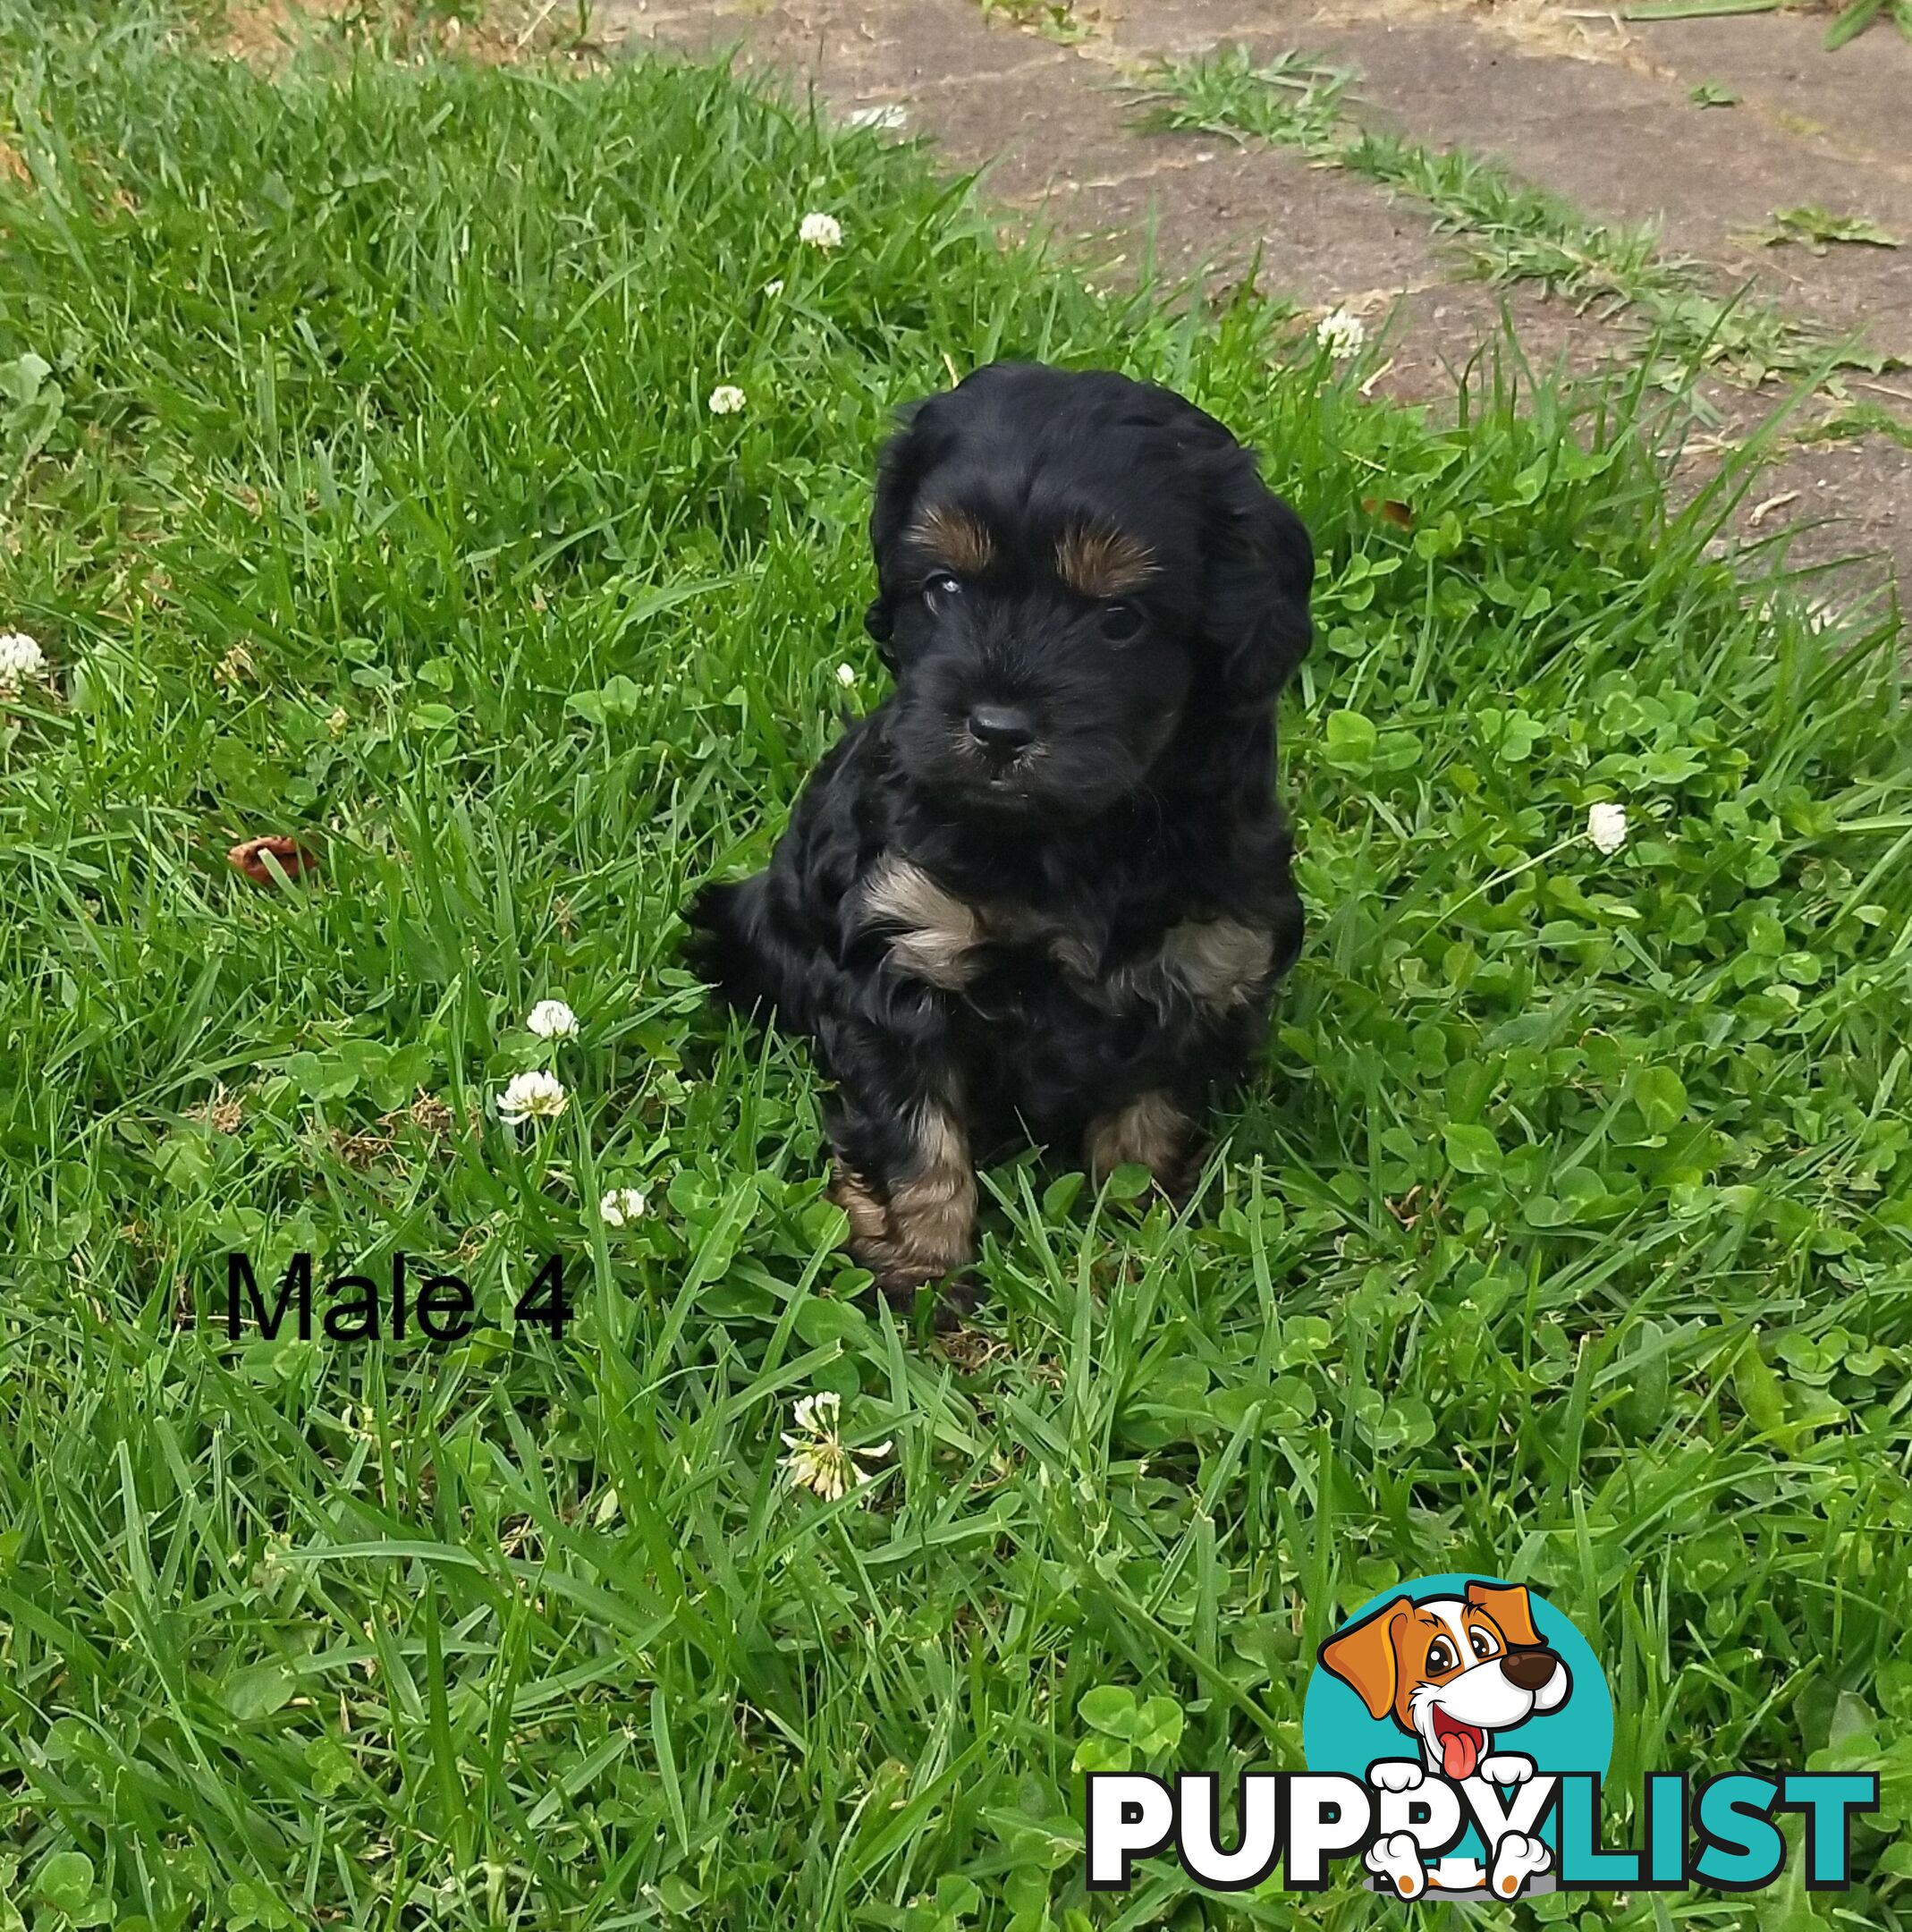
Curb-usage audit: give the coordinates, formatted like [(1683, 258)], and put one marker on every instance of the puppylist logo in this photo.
[(1457, 1729)]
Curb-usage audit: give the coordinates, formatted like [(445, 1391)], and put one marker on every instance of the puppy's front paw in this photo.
[(920, 1232), (1505, 1767), (1397, 1774), (1150, 1130)]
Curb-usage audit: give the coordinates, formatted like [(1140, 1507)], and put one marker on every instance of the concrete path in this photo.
[(1568, 97)]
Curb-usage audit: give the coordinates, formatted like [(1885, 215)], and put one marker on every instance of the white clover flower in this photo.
[(1341, 334), (773, 289), (1606, 826), (621, 1205), (819, 1413), (889, 116), (817, 1460), (726, 400), (820, 231), (846, 675), (21, 658), (535, 1096), (235, 668), (551, 1018)]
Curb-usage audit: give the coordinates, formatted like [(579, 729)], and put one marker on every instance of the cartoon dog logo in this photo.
[(1454, 1672)]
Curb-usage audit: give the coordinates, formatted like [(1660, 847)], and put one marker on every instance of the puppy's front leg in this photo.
[(1152, 1130), (904, 1177)]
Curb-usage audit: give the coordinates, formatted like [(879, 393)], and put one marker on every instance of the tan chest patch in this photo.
[(933, 934), (937, 936), (1217, 963)]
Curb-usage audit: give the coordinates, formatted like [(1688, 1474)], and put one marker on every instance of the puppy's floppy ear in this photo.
[(1364, 1657), (1261, 567), (899, 473), (1511, 1610)]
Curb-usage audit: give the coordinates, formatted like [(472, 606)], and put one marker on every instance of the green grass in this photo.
[(1815, 228), (1567, 1233), (1510, 230), (1054, 20), (1847, 417)]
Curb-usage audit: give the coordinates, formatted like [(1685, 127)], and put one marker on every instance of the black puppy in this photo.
[(1047, 883)]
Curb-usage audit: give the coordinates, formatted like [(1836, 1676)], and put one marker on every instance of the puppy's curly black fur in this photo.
[(1044, 887)]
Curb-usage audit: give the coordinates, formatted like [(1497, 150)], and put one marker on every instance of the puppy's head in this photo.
[(1080, 579)]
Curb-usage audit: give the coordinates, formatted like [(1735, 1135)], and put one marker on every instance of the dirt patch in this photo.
[(263, 31), (266, 30)]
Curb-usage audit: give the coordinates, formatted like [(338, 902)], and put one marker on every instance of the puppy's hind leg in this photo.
[(722, 950), (738, 950)]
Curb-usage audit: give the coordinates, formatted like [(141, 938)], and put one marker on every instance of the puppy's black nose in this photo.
[(1002, 729), (1530, 1669)]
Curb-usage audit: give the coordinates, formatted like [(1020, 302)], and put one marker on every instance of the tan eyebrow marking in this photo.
[(954, 538), (1102, 562)]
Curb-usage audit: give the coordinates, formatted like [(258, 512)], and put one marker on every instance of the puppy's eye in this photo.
[(1120, 622), (1482, 1644), (940, 585), (1441, 1656)]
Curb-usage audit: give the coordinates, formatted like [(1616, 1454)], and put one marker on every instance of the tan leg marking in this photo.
[(1149, 1131), (927, 1226), (933, 934)]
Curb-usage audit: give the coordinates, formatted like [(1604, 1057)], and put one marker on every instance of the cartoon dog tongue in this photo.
[(1459, 1749)]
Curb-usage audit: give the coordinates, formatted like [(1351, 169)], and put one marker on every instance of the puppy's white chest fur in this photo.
[(937, 936)]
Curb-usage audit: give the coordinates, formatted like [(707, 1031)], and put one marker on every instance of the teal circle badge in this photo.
[(1472, 1680)]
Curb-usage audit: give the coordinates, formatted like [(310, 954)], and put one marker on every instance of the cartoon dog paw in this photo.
[(1397, 1774), (1398, 1858), (1505, 1767), (1516, 1860)]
